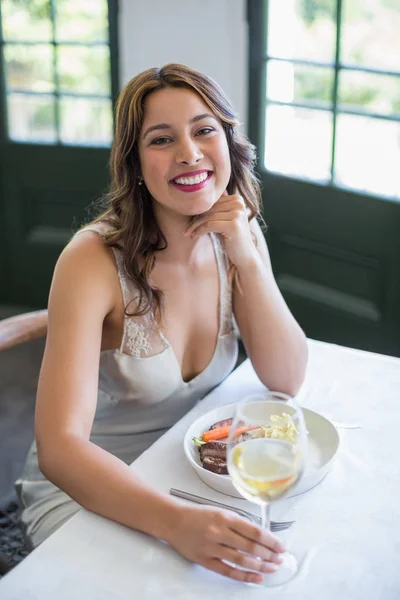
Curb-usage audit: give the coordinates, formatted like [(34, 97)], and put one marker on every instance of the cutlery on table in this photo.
[(275, 525)]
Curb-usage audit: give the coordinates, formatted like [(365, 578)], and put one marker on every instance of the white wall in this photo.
[(207, 35)]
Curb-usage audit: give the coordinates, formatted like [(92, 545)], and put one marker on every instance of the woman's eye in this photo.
[(205, 130), (163, 141), (160, 141)]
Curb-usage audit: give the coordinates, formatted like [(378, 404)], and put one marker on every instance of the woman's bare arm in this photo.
[(274, 341), (84, 290)]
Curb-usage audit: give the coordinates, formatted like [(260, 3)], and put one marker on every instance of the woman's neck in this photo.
[(181, 250)]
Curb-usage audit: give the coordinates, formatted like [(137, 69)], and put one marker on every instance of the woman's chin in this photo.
[(199, 206)]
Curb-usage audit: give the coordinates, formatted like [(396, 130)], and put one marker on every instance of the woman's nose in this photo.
[(188, 153)]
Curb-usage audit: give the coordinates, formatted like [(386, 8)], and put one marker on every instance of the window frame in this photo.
[(257, 16), (112, 6)]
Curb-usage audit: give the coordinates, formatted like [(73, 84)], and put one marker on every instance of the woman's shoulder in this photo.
[(100, 228), (86, 262), (88, 244)]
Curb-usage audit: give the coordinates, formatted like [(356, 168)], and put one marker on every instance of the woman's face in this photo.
[(183, 151)]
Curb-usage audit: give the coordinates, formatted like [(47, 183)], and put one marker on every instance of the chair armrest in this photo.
[(22, 328)]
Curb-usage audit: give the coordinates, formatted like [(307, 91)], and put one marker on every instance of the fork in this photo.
[(274, 525)]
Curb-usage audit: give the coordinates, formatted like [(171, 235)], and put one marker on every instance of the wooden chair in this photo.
[(22, 328), (13, 331)]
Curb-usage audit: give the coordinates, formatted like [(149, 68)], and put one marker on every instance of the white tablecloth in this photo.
[(347, 528)]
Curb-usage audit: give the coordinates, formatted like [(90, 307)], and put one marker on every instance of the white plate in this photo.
[(323, 443)]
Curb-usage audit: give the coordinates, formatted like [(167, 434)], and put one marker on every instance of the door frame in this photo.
[(349, 214)]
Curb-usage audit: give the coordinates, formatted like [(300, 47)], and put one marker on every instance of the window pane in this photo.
[(368, 154), (302, 29), (29, 67), (86, 121), (370, 33), (81, 20), (298, 142), (31, 118), (376, 93), (27, 20), (297, 83), (84, 69)]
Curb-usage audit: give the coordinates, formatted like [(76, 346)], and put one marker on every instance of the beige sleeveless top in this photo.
[(141, 392)]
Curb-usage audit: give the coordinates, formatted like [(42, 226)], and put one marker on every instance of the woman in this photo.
[(140, 322)]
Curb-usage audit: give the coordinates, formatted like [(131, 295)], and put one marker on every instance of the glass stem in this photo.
[(265, 518)]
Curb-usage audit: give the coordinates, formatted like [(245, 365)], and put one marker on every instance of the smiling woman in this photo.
[(170, 122), (141, 322), (187, 141)]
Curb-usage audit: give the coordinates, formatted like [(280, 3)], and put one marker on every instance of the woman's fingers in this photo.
[(252, 540), (210, 224), (227, 208), (247, 561), (237, 542), (234, 198), (215, 564), (207, 218), (259, 536), (221, 227)]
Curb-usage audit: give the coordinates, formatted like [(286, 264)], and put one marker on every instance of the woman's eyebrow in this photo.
[(166, 126)]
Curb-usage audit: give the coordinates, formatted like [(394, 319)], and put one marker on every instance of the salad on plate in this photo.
[(212, 443)]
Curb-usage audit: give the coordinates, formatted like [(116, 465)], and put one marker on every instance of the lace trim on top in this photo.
[(135, 338), (141, 336)]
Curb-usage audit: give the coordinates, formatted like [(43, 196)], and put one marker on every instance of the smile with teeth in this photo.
[(191, 180)]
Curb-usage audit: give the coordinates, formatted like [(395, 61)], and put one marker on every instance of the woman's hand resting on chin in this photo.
[(229, 218)]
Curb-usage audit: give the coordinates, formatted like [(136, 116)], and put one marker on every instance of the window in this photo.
[(332, 92), (57, 71)]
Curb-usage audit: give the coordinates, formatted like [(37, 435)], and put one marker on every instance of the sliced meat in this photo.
[(215, 449), (216, 465), (223, 423)]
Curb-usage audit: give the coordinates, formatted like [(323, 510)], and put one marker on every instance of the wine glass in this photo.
[(266, 455)]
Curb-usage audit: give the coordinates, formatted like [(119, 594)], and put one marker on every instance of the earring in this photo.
[(140, 180)]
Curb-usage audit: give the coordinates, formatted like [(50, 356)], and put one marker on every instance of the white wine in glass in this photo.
[(266, 452)]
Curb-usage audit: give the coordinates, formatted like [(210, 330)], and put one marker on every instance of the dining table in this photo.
[(346, 534)]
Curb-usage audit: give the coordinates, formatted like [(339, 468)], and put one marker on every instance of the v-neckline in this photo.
[(214, 242)]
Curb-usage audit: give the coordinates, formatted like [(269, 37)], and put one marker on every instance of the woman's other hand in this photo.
[(210, 536), (229, 218)]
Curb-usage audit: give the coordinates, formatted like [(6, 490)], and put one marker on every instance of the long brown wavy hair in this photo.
[(128, 207)]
